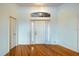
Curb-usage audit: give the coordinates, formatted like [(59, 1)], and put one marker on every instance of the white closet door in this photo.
[(12, 32)]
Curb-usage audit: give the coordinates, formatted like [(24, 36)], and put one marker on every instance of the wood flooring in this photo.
[(41, 50)]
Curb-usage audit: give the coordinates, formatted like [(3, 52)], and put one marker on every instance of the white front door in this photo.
[(40, 32)]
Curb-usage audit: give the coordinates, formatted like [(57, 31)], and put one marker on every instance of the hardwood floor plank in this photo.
[(62, 50), (41, 50)]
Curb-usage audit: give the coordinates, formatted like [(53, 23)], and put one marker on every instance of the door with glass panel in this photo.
[(40, 32)]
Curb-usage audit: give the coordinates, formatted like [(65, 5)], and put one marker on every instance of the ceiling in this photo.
[(39, 4)]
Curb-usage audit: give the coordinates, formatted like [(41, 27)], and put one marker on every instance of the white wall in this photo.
[(24, 26), (6, 10), (67, 26)]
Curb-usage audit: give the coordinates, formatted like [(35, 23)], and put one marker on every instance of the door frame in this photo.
[(9, 42), (32, 28)]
